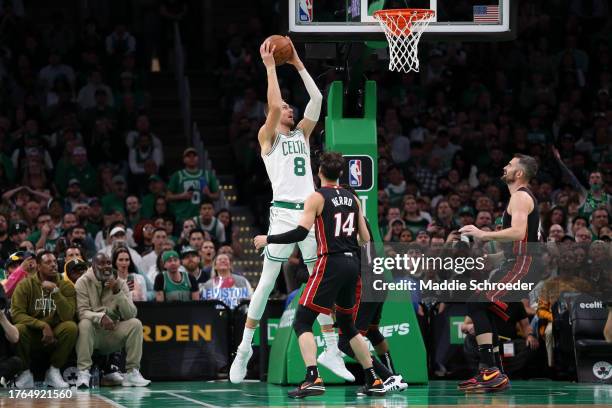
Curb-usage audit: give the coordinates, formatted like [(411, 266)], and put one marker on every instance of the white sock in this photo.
[(331, 340), (247, 339)]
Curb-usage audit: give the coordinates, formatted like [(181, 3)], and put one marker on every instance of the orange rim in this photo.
[(385, 16)]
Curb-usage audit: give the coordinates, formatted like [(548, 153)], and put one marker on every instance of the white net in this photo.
[(403, 29)]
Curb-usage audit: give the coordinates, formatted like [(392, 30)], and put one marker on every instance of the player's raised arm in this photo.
[(313, 108), (312, 207), (275, 101)]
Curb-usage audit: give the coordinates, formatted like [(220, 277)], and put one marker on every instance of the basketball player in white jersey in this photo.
[(286, 155)]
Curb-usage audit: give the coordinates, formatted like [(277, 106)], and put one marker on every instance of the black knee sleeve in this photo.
[(479, 314), (304, 319), (375, 336), (345, 346), (345, 323)]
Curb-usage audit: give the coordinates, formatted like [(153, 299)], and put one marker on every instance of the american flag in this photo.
[(486, 14)]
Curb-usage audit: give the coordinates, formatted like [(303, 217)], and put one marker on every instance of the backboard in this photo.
[(351, 20)]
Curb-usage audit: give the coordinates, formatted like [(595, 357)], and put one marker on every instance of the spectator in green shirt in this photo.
[(187, 187), (133, 211), (46, 235), (157, 188), (80, 169), (116, 198)]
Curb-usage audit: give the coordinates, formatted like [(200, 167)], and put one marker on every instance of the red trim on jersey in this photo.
[(497, 309), (520, 247), (519, 270), (312, 286), (340, 309), (320, 235), (357, 298)]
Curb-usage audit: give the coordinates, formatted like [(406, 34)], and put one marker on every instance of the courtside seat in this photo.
[(588, 316), (595, 347)]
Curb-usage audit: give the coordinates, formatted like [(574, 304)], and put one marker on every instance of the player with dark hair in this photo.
[(367, 318), (334, 212), (520, 226)]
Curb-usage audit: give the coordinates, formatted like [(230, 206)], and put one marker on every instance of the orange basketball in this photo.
[(283, 50)]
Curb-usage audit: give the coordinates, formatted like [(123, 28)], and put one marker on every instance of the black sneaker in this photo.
[(487, 380), (375, 389), (308, 389)]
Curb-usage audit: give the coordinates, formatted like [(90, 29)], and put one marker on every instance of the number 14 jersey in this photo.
[(288, 167), (337, 227)]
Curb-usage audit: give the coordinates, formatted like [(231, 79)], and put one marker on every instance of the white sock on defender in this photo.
[(310, 267), (330, 337), (331, 340)]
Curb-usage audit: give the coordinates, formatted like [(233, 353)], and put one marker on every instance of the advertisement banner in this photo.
[(456, 335), (184, 340)]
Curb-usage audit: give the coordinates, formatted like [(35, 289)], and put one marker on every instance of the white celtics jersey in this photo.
[(288, 166)]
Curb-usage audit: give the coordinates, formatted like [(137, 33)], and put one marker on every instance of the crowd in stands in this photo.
[(92, 219)]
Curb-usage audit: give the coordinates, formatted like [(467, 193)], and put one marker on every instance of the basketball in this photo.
[(283, 50)]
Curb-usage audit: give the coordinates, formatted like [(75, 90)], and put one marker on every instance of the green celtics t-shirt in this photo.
[(591, 203), (49, 244), (183, 181), (148, 205), (112, 202)]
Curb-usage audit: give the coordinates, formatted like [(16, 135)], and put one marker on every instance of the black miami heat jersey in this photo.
[(337, 227), (531, 235)]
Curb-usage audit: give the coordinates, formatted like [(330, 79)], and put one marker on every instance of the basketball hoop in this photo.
[(403, 29)]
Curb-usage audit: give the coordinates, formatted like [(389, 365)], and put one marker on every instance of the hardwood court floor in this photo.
[(439, 394)]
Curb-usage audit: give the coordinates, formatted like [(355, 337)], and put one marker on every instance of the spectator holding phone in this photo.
[(137, 284)]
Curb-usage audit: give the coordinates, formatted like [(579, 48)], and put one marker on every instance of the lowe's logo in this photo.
[(401, 329)]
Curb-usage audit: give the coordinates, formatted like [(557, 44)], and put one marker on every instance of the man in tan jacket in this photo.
[(107, 321)]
